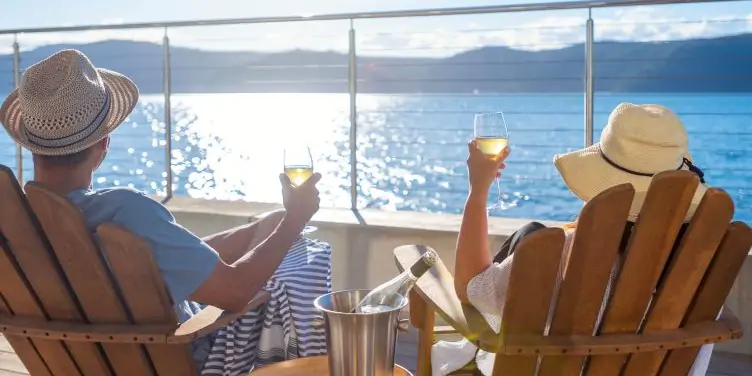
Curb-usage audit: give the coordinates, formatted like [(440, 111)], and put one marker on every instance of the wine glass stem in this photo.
[(498, 191)]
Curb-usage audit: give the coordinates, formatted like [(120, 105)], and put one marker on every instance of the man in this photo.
[(64, 112)]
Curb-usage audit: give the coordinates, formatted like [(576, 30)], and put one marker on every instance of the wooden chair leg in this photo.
[(423, 318)]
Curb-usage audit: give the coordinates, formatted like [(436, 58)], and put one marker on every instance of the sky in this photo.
[(429, 36)]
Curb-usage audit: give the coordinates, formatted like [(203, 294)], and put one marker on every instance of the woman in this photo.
[(638, 142)]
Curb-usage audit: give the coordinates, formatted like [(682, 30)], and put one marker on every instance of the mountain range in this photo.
[(721, 64)]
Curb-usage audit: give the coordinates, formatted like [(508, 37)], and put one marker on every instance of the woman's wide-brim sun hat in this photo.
[(638, 142), (64, 104)]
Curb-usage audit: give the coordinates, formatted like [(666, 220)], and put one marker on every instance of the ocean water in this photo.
[(411, 148)]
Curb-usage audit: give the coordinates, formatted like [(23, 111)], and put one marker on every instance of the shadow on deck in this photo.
[(722, 364)]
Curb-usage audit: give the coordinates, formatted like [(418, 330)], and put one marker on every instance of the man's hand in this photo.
[(300, 202)]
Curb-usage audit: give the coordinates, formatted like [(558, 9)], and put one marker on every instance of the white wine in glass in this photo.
[(298, 166), (491, 137), (491, 146), (298, 174)]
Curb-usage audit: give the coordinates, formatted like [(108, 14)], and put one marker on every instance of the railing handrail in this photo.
[(488, 9)]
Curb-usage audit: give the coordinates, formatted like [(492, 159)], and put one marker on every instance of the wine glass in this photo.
[(298, 166), (492, 137)]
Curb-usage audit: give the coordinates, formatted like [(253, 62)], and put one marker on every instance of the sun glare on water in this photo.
[(242, 137)]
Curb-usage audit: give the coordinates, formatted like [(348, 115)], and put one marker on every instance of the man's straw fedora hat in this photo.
[(64, 104)]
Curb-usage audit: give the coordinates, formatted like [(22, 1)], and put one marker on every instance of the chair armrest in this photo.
[(436, 287), (38, 327), (204, 322), (726, 328), (211, 318)]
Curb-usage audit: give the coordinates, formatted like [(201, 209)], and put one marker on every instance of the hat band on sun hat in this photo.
[(685, 161), (63, 142)]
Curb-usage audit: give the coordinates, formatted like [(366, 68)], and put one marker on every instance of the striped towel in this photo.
[(283, 328)]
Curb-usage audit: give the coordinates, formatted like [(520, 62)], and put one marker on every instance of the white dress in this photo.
[(487, 293)]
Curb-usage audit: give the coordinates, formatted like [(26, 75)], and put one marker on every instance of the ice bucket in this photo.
[(358, 344)]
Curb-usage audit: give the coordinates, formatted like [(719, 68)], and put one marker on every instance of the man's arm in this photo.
[(232, 286), (191, 269), (235, 243)]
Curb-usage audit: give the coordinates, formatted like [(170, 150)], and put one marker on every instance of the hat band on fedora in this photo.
[(685, 161), (62, 142)]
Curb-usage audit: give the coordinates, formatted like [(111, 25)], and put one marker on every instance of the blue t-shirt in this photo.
[(184, 260)]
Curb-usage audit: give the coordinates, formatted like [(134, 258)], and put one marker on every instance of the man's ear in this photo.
[(101, 149), (104, 143)]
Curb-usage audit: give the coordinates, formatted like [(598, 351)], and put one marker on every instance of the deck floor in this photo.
[(722, 364)]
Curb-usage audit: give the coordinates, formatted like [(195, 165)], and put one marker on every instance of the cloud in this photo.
[(33, 40), (549, 32), (631, 25), (112, 21)]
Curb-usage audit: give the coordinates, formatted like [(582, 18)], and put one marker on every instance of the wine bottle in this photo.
[(390, 294)]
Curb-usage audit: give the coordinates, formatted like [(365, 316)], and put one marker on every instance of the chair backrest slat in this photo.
[(685, 271), (666, 204), (145, 294), (600, 228), (712, 293), (33, 286), (82, 264), (52, 267), (531, 285)]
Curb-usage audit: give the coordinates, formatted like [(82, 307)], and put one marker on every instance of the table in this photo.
[(310, 366)]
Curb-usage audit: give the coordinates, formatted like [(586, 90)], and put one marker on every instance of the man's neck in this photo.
[(63, 180)]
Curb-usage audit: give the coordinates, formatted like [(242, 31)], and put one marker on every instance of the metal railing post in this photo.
[(167, 89), (16, 83), (353, 90), (589, 86)]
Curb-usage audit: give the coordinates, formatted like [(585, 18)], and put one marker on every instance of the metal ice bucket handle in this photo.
[(403, 325)]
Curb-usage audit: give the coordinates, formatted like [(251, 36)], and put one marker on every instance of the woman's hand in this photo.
[(484, 169)]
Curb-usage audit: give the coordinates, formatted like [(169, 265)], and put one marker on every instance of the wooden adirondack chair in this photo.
[(681, 317), (69, 309)]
